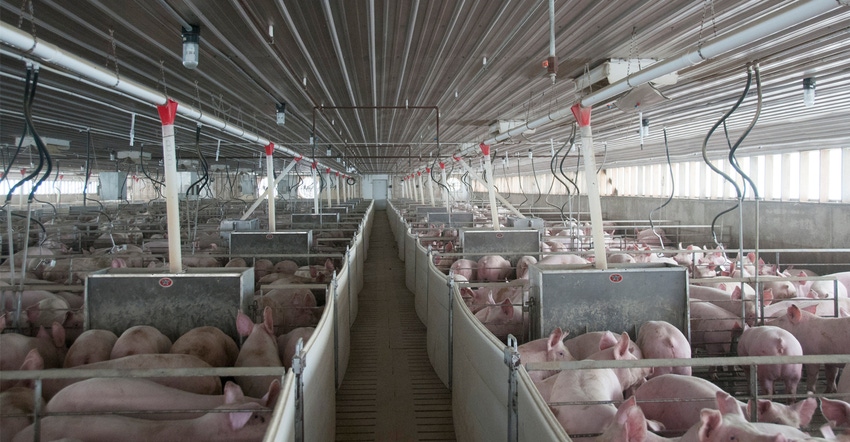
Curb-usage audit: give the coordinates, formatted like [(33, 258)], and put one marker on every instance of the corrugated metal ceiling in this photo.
[(374, 53)]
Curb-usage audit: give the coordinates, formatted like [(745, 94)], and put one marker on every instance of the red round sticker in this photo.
[(500, 235), (616, 277), (269, 236), (166, 282)]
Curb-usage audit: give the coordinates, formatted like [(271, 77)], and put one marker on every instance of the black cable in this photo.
[(43, 154), (23, 135), (88, 166), (672, 190), (522, 191), (43, 230), (732, 159)]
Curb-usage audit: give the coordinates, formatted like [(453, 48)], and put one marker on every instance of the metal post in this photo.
[(582, 115), (316, 188), (512, 361), (430, 186), (271, 184), (298, 364), (446, 185)]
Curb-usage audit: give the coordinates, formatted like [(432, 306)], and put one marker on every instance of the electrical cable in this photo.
[(672, 190), (521, 190), (713, 167)]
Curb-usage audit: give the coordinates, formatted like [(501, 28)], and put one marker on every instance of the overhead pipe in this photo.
[(582, 115), (760, 28), (552, 61), (270, 188), (502, 199), (271, 185), (53, 55)]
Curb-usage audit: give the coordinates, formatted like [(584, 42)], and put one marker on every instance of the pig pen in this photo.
[(468, 358), (305, 409)]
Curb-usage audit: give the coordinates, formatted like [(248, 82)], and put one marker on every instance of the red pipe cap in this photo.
[(485, 149), (298, 158), (270, 149), (418, 173), (328, 171), (442, 165), (582, 114), (315, 165), (427, 170), (167, 112)]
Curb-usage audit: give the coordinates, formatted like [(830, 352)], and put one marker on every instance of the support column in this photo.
[(316, 187), (446, 184), (167, 112), (328, 187), (271, 185), (488, 169), (430, 186), (582, 115)]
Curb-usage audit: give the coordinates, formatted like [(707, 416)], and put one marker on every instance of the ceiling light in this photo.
[(191, 38), (281, 114), (329, 152), (809, 91)]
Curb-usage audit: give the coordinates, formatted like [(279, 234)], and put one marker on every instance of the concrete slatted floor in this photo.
[(390, 392)]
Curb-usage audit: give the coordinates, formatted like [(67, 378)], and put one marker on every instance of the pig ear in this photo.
[(736, 293), (508, 308), (268, 320), (232, 393), (806, 409), (58, 333), (239, 419), (710, 422), (835, 411), (329, 264), (763, 406), (244, 324), (554, 338), (270, 398), (794, 314), (622, 346), (767, 295), (727, 404), (813, 309), (608, 340)]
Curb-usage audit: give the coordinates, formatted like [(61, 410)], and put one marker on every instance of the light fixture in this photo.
[(112, 155), (644, 126), (329, 152), (191, 38), (809, 91), (281, 114)]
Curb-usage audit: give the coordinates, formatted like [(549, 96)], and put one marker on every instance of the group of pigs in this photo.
[(49, 335), (695, 409)]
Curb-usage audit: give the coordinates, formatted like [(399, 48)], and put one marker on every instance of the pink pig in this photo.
[(817, 336), (465, 267), (258, 350), (662, 340), (138, 340), (209, 344), (501, 319), (545, 349), (93, 345), (772, 341), (493, 268)]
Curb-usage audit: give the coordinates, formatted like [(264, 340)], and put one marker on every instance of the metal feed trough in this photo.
[(455, 219), (174, 303), (272, 244), (237, 225), (525, 223), (310, 220), (581, 298), (510, 244)]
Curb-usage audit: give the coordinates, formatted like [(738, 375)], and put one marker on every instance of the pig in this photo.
[(291, 308), (844, 383), (630, 425), (493, 268), (662, 340), (563, 260), (797, 415), (772, 341), (286, 343), (501, 319), (262, 267), (543, 350), (16, 347), (779, 289), (827, 289), (209, 344), (820, 307), (712, 327), (259, 350), (585, 345), (317, 274), (817, 336), (466, 268), (286, 266), (16, 408), (138, 340), (477, 299), (93, 345), (522, 266), (194, 384), (590, 385), (727, 404), (38, 308), (836, 412), (716, 427), (224, 423), (620, 258), (694, 393), (236, 262), (100, 395)]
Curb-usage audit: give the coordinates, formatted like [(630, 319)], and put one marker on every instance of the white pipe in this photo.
[(271, 186), (53, 55), (595, 205), (551, 28), (502, 199), (269, 189), (767, 25), (421, 187), (491, 192), (338, 184), (430, 186), (167, 113), (316, 189), (328, 188), (445, 183)]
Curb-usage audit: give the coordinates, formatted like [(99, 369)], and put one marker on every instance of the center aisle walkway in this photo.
[(390, 392)]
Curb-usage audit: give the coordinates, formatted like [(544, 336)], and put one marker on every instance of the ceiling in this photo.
[(389, 85)]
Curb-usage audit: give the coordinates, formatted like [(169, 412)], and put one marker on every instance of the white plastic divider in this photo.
[(439, 333), (318, 377), (411, 242), (342, 321), (480, 387), (282, 426), (424, 261)]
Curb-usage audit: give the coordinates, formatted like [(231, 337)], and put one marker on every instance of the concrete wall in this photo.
[(782, 225)]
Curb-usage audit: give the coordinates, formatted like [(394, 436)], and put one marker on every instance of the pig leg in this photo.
[(812, 376), (831, 373)]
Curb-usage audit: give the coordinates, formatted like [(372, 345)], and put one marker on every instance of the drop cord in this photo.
[(672, 190)]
